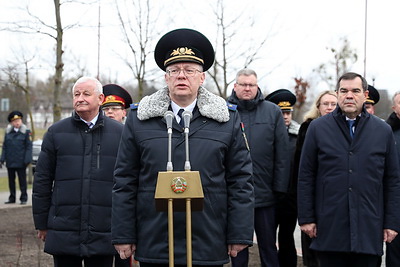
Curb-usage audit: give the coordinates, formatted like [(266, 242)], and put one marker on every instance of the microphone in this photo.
[(169, 117), (187, 115)]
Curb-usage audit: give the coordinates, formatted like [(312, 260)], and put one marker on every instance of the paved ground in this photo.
[(20, 247)]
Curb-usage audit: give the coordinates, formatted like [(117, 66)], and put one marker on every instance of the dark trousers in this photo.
[(286, 219), (393, 253), (310, 258), (22, 183), (144, 264), (343, 259), (75, 261), (265, 228), (122, 263)]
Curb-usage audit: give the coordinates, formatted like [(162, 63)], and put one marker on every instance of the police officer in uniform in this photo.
[(116, 101), (217, 150), (17, 154), (286, 209), (372, 100)]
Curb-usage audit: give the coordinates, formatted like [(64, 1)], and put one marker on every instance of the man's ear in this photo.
[(101, 98)]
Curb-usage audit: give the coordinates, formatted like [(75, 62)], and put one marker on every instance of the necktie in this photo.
[(351, 124), (181, 122), (89, 124)]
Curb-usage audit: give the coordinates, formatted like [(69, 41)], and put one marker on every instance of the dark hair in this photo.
[(352, 76)]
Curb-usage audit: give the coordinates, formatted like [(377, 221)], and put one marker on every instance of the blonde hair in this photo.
[(314, 113)]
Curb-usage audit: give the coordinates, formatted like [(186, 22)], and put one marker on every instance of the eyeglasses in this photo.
[(186, 72), (244, 85), (327, 104), (113, 109), (355, 91)]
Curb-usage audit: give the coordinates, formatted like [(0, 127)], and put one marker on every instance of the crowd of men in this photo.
[(336, 174)]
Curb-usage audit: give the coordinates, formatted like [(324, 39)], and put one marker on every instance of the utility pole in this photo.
[(98, 45), (365, 39)]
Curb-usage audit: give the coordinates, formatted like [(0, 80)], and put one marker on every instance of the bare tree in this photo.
[(59, 63), (300, 90), (138, 21), (13, 75), (343, 58), (35, 25), (232, 47)]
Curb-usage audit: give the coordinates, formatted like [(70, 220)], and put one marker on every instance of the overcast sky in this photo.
[(301, 31)]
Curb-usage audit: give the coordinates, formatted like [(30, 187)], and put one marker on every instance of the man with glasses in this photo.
[(348, 183), (268, 142), (217, 150), (116, 101)]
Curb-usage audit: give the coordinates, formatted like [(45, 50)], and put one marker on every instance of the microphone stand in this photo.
[(185, 185), (187, 115)]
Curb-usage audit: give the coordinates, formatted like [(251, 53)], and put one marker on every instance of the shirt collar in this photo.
[(93, 121), (175, 107)]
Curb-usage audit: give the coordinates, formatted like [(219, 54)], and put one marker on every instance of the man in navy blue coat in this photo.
[(217, 149), (17, 154), (349, 184), (71, 199)]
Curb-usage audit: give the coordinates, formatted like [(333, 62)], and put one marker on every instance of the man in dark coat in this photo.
[(217, 150), (269, 148), (116, 101), (74, 179), (286, 208), (17, 154), (393, 248), (349, 184)]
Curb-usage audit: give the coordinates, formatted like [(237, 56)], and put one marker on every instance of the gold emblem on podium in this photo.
[(178, 185)]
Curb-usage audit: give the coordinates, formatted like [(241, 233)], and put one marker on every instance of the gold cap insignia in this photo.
[(285, 105), (183, 53), (180, 51), (370, 101), (110, 98)]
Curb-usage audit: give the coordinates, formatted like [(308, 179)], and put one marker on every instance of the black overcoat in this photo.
[(349, 187), (217, 151), (73, 185)]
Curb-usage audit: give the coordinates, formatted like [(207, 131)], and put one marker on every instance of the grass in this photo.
[(4, 183)]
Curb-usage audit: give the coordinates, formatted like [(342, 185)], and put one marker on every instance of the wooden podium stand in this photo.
[(177, 190)]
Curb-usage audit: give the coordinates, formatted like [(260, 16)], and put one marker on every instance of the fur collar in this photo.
[(294, 127), (209, 104), (22, 129)]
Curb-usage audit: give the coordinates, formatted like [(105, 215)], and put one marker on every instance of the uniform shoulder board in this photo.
[(231, 106), (134, 105)]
